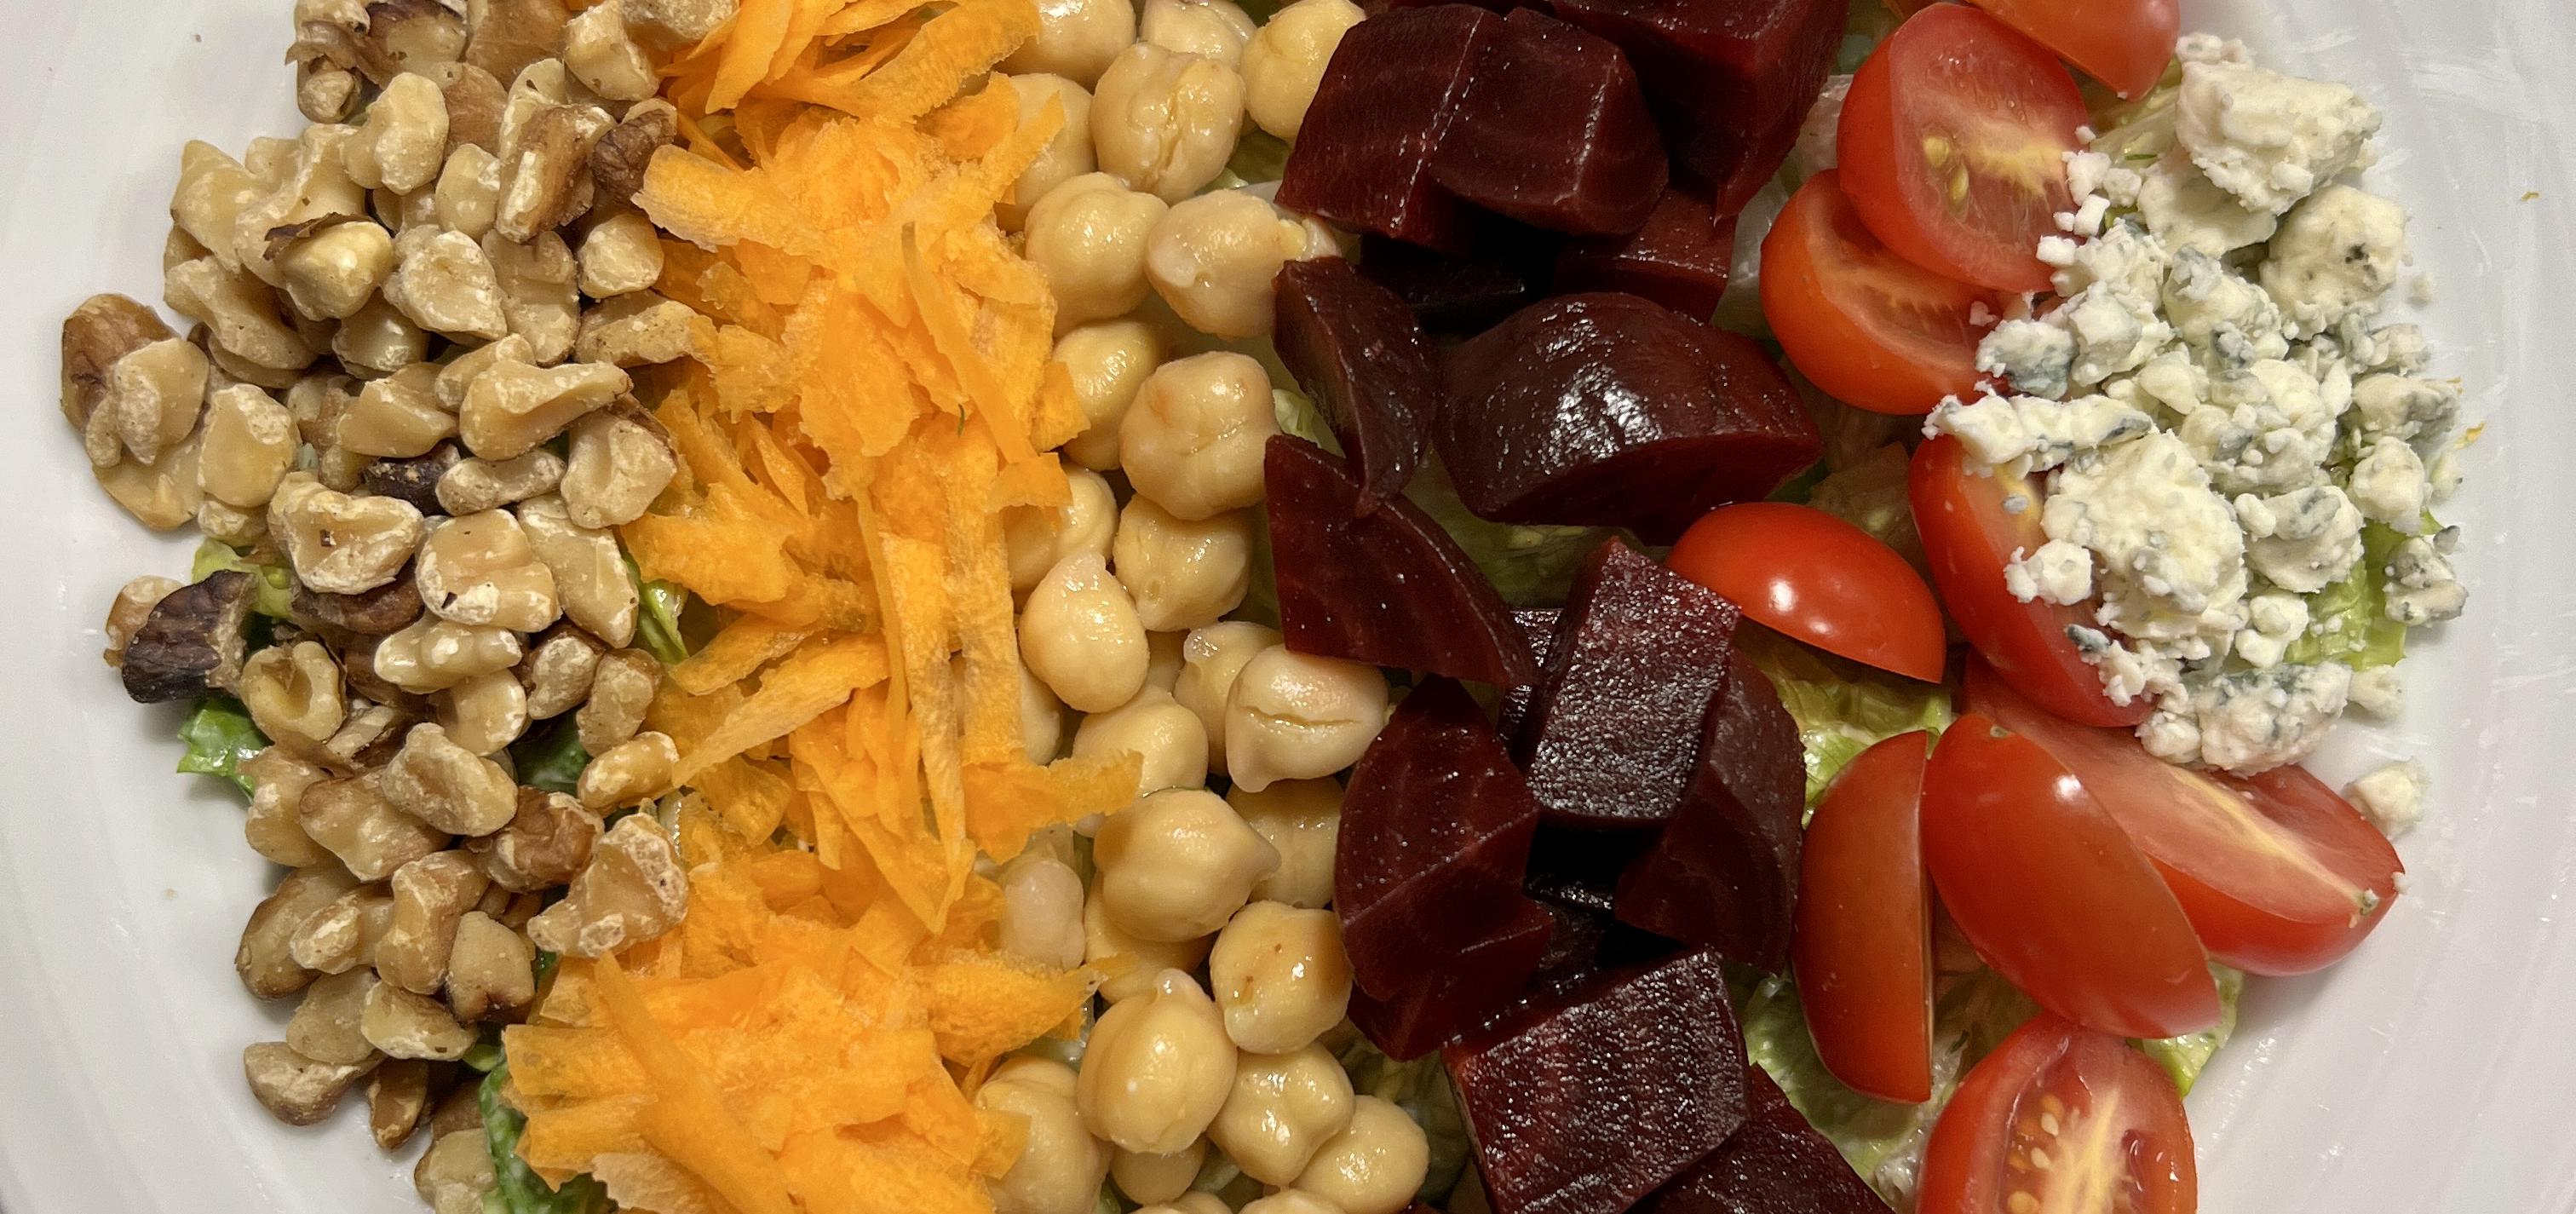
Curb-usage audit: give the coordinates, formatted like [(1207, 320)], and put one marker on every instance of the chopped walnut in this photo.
[(191, 641), (538, 292), (133, 605), (480, 569), (408, 1025), (455, 1174), (248, 447), (341, 544), (546, 844), (443, 282), (367, 741), (325, 1025), (102, 330), (512, 407), (434, 654), (618, 160), (620, 691), (333, 271), (589, 570), (263, 960), (413, 481), (476, 485), (508, 35), (294, 1088), (351, 817), (619, 255), (430, 894), (379, 339), (448, 786), (558, 670), (634, 330), (621, 460), (278, 780), (385, 610), (474, 99), (491, 973), (153, 398), (397, 1099), (403, 141), (397, 417), (293, 694), (343, 936), (545, 175), (632, 891), (485, 713)]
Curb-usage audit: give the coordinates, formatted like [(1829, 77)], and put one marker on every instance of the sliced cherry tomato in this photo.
[(2061, 1120), (1953, 143), (2052, 894), (1867, 326), (2122, 43), (2278, 874), (1819, 579), (1861, 948), (1970, 532)]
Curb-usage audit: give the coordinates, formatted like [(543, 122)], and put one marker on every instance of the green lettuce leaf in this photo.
[(2187, 1056), (2348, 621), (1869, 493), (517, 1186), (272, 586), (1529, 566), (1842, 708), (220, 735), (657, 625), (1297, 415), (1259, 156), (551, 761)]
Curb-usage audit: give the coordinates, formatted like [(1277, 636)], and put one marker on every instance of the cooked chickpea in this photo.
[(1166, 737), (1211, 657), (1061, 1165), (1303, 819), (1080, 637), (1295, 716), (1286, 58), (1193, 440), (1190, 1203), (1132, 961), (1281, 1110), (1038, 537), (1076, 39), (1150, 1178), (1041, 719), (1157, 1068), (1291, 1201), (1212, 258), (1375, 1166), (1065, 157), (1178, 864), (1088, 236), (1042, 911), (1182, 574), (1280, 976), (1164, 122), (1108, 362), (1209, 29)]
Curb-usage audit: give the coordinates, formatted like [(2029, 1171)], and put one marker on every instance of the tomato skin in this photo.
[(2003, 113), (1978, 1158), (1867, 326), (1861, 948), (1968, 538), (2052, 894), (1815, 577), (2122, 43), (2273, 870)]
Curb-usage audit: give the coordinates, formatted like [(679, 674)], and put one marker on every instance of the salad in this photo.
[(850, 605)]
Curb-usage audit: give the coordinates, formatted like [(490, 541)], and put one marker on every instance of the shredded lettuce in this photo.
[(1297, 415), (1842, 708), (551, 761), (1529, 566), (518, 1188), (2348, 621), (219, 734), (1869, 493), (657, 624), (272, 586), (2185, 1057), (1421, 1088), (1259, 156)]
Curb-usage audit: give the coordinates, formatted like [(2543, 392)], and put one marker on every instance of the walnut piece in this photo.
[(633, 890)]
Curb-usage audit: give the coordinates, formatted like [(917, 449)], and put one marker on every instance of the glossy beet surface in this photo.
[(1538, 627), (1611, 410), (1584, 1102), (1358, 351), (1732, 79), (1554, 132), (1681, 258), (1389, 588), (1435, 834), (1447, 1000), (1462, 292), (1775, 1164), (1724, 872), (1386, 101), (1615, 722)]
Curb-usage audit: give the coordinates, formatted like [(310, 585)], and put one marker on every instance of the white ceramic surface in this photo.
[(2427, 1075)]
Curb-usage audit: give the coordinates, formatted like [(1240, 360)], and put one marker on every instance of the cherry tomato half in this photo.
[(2052, 894), (1953, 146), (1970, 533), (2122, 43), (2278, 874), (2061, 1120), (1819, 579), (1869, 327), (1861, 947)]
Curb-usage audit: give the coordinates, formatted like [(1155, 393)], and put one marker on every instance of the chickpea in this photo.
[(1080, 637), (1291, 1201), (1209, 29), (1042, 911), (1076, 39), (1190, 1203), (1149, 1178), (1178, 864), (1303, 819), (1211, 657), (1163, 660), (1285, 61), (1157, 1068), (1039, 536), (1132, 961), (1182, 574), (1280, 976), (1164, 735), (1193, 440), (1065, 157), (1108, 362), (1281, 1110), (1295, 716), (1212, 258), (1041, 719), (1088, 236), (1373, 1167), (1061, 1165), (1166, 122)]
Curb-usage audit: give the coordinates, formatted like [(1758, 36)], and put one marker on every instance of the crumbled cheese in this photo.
[(2172, 560), (2392, 797), (2338, 253), (2304, 540), (2268, 138), (2185, 210), (2421, 587), (2056, 572), (2390, 405), (2379, 692), (2257, 720), (2272, 622), (2034, 355), (2388, 485), (2034, 434)]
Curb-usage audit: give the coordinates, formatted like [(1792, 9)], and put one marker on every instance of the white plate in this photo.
[(2427, 1074)]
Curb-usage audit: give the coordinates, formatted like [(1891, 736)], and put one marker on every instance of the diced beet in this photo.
[(1389, 588), (1554, 132), (1681, 258), (1581, 868), (1457, 293), (1585, 1102), (1610, 410), (1538, 626), (1616, 718), (1724, 872), (1776, 1163), (1732, 79), (1460, 993), (1583, 944), (1363, 156), (1358, 351), (1435, 834)]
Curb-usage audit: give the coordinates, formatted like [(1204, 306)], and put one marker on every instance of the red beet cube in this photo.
[(1554, 132), (1455, 996), (1681, 258), (1538, 625), (1775, 1164), (1356, 348), (1460, 293), (1363, 155)]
